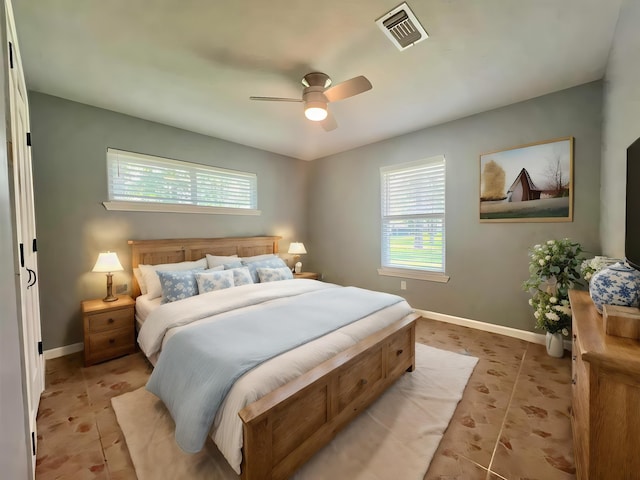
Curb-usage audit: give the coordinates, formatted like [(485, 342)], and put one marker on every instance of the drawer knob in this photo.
[(363, 381), (574, 358), (111, 320), (112, 341), (399, 352), (574, 381), (575, 336)]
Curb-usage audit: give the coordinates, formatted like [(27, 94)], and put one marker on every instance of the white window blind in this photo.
[(134, 177), (413, 214)]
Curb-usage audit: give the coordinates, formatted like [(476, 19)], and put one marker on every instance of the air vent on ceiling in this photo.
[(402, 27)]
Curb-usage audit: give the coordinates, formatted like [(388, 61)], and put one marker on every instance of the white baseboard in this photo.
[(62, 351), (489, 327)]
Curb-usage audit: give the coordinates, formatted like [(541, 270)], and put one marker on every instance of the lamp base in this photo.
[(109, 297)]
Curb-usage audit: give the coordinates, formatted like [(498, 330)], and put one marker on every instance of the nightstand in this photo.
[(109, 329), (309, 275)]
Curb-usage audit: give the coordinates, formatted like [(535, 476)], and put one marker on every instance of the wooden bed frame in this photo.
[(286, 427)]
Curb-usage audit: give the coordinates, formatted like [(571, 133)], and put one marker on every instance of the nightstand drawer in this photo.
[(99, 322), (106, 343)]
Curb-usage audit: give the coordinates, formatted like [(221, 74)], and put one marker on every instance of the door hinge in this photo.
[(28, 139), (22, 255), (34, 246), (10, 55), (40, 347), (33, 442)]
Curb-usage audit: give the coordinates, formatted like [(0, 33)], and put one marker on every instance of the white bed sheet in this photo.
[(144, 306), (227, 427)]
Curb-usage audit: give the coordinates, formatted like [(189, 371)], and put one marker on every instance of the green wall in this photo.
[(70, 141), (487, 262)]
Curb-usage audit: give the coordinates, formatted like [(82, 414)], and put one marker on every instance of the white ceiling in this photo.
[(194, 63)]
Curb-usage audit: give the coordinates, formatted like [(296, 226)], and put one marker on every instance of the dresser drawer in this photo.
[(111, 342), (112, 320)]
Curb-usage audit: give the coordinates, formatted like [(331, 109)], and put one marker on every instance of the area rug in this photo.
[(396, 437)]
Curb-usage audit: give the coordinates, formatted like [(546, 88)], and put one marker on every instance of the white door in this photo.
[(20, 161)]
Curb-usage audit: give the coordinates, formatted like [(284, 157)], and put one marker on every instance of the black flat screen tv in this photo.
[(632, 219)]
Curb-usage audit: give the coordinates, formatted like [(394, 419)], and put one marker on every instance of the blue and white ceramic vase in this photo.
[(617, 284)]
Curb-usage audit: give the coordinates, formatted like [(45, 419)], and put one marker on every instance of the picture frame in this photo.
[(528, 183)]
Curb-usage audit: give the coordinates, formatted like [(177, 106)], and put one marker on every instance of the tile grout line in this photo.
[(95, 419), (506, 413)]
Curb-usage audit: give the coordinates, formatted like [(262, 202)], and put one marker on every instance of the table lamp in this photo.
[(107, 263), (297, 249)]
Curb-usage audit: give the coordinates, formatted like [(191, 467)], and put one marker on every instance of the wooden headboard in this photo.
[(153, 252)]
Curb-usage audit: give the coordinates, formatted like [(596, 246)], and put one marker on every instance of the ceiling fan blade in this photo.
[(329, 123), (276, 99), (348, 88)]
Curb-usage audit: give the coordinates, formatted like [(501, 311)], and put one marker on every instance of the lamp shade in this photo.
[(297, 248), (107, 262)]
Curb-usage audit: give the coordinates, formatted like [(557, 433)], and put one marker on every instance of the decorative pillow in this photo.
[(214, 269), (152, 281), (229, 266), (257, 258), (178, 284), (274, 274), (241, 276), (216, 280), (215, 260), (140, 279), (274, 262)]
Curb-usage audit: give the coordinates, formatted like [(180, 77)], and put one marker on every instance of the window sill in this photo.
[(413, 274), (175, 208)]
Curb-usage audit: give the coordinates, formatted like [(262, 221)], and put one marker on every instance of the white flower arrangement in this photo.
[(554, 269), (591, 266)]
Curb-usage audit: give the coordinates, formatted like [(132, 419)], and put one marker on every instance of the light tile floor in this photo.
[(513, 421)]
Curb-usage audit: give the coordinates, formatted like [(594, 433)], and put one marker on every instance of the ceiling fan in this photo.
[(318, 92)]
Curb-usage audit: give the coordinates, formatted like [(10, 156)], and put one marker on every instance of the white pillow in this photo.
[(152, 281), (274, 274), (215, 260), (216, 280), (140, 279), (257, 258)]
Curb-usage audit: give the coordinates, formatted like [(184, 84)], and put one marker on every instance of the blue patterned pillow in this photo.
[(241, 276), (178, 285), (274, 274), (230, 265), (275, 262), (217, 280)]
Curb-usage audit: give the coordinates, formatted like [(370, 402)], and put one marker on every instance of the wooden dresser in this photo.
[(605, 397)]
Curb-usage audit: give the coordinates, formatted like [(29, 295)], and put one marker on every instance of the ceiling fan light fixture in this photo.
[(315, 111)]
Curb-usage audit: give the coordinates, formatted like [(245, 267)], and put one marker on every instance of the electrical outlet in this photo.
[(403, 285), (122, 288)]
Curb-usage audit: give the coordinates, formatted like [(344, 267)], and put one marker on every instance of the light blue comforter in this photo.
[(199, 365)]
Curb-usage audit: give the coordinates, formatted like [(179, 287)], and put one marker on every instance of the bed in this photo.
[(286, 425)]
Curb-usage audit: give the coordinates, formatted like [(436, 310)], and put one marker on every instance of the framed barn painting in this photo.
[(529, 183)]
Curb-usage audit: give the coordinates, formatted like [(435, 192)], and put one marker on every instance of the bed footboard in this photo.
[(285, 428)]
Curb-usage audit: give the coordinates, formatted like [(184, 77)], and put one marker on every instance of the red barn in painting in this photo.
[(523, 188)]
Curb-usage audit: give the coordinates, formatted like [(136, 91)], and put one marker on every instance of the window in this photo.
[(147, 183), (413, 219)]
